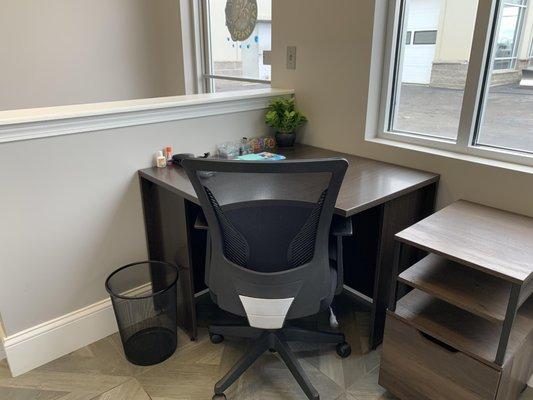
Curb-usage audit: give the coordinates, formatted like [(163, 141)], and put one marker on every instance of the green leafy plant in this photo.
[(283, 116)]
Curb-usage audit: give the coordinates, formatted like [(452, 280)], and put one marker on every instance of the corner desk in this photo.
[(380, 198)]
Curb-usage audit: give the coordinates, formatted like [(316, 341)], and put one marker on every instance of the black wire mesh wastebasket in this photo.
[(144, 299)]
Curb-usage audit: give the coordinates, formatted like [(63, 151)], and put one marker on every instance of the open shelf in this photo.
[(481, 294), (460, 329)]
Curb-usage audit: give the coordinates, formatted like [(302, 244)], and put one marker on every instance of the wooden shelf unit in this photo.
[(470, 304), (481, 294), (468, 333)]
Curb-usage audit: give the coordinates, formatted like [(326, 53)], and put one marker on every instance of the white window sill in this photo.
[(453, 155), (34, 123)]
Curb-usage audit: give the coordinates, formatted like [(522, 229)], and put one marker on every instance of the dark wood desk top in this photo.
[(494, 241), (367, 182)]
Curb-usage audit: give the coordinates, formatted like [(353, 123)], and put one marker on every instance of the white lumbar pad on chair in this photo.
[(266, 313)]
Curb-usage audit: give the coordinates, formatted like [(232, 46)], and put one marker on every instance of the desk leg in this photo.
[(394, 275), (167, 225), (397, 215)]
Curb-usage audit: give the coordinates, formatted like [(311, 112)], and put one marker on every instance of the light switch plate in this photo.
[(291, 57)]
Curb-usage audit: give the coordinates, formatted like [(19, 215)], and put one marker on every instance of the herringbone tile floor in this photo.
[(100, 371)]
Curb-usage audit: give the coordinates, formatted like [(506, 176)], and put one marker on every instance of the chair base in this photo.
[(274, 340)]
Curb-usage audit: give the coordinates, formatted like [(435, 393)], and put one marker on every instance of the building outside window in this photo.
[(434, 97), (509, 34), (235, 65)]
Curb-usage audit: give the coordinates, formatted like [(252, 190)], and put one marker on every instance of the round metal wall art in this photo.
[(241, 17)]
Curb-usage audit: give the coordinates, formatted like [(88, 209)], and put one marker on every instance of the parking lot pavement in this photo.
[(508, 118)]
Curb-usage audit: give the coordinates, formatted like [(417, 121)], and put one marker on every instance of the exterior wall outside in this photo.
[(456, 29), (453, 75), (450, 75), (82, 51)]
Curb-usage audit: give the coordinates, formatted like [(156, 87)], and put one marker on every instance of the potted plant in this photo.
[(285, 119)]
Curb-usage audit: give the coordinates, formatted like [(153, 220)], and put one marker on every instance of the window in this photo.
[(508, 34), (454, 77), (425, 37), (235, 65)]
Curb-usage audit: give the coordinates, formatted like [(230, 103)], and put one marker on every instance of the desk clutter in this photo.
[(465, 329), (254, 149), (233, 149)]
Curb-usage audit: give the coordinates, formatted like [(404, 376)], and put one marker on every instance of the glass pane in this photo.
[(432, 74), (239, 58), (507, 117), (425, 37)]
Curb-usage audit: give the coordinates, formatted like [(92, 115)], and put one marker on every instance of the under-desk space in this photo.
[(380, 198)]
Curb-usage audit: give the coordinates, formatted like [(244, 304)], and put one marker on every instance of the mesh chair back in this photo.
[(266, 217)]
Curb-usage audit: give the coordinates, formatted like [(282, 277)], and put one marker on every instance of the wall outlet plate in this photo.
[(291, 57)]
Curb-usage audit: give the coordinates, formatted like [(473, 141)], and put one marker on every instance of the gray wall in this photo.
[(59, 52), (332, 86), (70, 210)]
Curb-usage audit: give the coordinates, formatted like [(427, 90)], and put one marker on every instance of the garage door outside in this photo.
[(422, 25)]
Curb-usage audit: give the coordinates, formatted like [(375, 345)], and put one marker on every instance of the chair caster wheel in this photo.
[(215, 339), (220, 396), (343, 350)]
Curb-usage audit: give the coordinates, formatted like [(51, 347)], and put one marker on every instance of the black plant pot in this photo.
[(285, 139)]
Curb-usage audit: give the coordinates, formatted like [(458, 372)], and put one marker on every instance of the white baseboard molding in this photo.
[(52, 339)]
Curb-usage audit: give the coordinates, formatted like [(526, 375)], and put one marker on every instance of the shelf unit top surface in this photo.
[(497, 242), (481, 294)]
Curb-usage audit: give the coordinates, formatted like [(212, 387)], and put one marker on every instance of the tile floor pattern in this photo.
[(100, 371)]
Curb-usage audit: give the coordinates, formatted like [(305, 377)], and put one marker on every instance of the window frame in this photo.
[(207, 76), (476, 88)]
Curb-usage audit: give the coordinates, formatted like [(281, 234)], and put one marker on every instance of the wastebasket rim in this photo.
[(108, 289)]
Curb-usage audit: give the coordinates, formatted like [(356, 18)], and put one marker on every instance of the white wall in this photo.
[(334, 40), (59, 52), (71, 210)]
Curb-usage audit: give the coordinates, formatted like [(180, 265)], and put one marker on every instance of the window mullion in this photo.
[(478, 71)]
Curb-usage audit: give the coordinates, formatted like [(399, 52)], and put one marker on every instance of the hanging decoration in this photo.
[(241, 17)]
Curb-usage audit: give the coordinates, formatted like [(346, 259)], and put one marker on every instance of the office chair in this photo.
[(268, 252)]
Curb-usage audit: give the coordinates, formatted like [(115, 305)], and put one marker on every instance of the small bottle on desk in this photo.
[(168, 154), (160, 160)]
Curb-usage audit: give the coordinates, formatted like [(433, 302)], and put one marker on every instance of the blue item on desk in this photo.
[(264, 156)]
